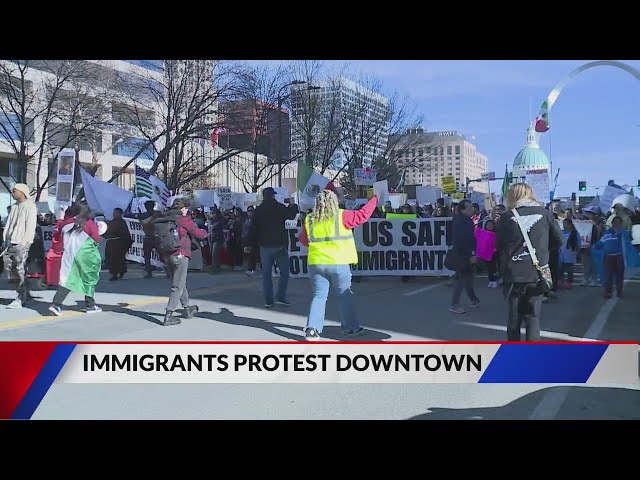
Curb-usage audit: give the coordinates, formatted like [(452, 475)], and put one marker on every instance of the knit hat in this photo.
[(21, 187)]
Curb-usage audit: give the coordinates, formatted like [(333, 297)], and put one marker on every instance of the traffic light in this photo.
[(573, 197), (582, 186)]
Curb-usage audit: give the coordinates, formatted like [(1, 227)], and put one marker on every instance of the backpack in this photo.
[(166, 237)]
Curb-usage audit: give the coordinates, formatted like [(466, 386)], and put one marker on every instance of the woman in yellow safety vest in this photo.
[(328, 234)]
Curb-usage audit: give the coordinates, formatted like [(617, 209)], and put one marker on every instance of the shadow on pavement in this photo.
[(123, 309), (582, 403), (330, 333)]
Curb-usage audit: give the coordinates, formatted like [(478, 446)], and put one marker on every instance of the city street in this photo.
[(232, 308)]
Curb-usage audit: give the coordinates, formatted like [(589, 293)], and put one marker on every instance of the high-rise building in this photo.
[(429, 156), (326, 113)]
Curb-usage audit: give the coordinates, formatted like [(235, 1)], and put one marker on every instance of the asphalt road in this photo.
[(232, 308)]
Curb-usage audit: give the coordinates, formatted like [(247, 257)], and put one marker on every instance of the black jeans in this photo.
[(613, 269), (554, 266), (61, 295), (525, 305), (178, 267), (568, 269), (463, 281), (492, 268), (215, 254)]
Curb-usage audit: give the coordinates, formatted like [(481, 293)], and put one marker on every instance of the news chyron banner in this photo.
[(29, 369)]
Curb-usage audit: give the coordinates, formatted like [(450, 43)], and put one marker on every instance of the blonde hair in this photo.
[(519, 192), (326, 206)]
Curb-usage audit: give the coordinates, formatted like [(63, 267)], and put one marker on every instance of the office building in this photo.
[(429, 156), (247, 122), (322, 113)]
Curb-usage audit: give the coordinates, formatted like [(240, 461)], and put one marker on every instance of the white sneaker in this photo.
[(250, 273), (17, 303)]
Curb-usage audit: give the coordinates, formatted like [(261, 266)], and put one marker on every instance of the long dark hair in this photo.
[(83, 214), (572, 241)]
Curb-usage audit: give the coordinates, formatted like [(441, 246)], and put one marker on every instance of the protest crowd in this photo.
[(527, 248)]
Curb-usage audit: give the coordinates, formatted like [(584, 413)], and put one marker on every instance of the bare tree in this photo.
[(316, 113), (173, 109), (399, 139), (253, 120), (46, 106), (365, 127)]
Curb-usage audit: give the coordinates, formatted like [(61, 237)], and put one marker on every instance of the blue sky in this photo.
[(595, 123)]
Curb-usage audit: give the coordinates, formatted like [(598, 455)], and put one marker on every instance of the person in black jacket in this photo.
[(269, 232), (464, 243), (521, 280)]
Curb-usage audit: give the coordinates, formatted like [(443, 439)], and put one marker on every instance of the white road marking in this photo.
[(425, 289), (543, 333), (555, 398)]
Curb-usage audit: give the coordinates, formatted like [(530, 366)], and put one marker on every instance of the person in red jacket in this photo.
[(328, 233), (177, 263)]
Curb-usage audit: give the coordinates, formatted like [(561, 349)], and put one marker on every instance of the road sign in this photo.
[(488, 176)]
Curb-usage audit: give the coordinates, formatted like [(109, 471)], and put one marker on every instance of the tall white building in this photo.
[(429, 156), (334, 109)]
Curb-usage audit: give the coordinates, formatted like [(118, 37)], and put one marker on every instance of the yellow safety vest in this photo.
[(330, 243)]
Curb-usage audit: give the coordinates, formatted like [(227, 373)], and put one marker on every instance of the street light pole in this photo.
[(280, 99)]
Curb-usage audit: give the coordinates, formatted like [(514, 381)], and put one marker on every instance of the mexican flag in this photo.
[(542, 121), (81, 262), (506, 183), (310, 183)]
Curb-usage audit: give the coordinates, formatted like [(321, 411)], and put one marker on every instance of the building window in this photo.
[(449, 150), (126, 180), (12, 127), (428, 150), (420, 152), (129, 146), (457, 149)]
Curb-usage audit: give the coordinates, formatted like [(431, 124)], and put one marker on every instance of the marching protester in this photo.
[(54, 255), (491, 256), (81, 260), (568, 253), (148, 243), (118, 243), (612, 245), (328, 234), (217, 225), (525, 235), (19, 233), (589, 274), (175, 232), (464, 250), (270, 233), (620, 210), (234, 239), (250, 249)]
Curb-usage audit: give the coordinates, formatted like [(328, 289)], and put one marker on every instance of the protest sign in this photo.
[(398, 247), (365, 176), (427, 195), (381, 190), (449, 184)]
